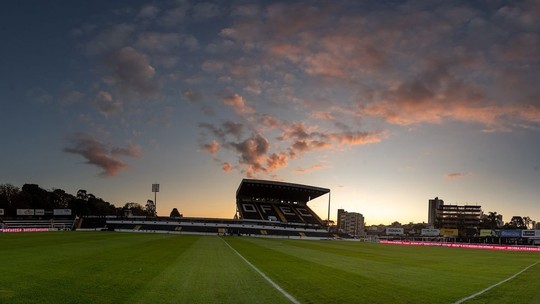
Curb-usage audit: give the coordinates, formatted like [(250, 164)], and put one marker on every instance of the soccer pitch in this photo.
[(108, 267)]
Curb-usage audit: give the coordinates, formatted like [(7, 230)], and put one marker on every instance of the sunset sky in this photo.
[(386, 103)]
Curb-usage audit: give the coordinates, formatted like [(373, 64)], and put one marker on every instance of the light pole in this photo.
[(328, 219), (155, 189)]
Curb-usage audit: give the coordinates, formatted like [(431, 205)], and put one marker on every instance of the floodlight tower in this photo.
[(155, 189)]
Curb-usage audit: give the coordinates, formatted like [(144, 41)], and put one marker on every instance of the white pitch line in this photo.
[(495, 285), (276, 286)]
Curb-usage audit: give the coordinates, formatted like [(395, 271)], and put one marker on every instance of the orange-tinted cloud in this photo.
[(226, 167), (238, 104), (100, 154), (212, 147), (457, 175)]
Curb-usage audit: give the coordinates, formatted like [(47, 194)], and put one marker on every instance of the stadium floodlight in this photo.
[(155, 189)]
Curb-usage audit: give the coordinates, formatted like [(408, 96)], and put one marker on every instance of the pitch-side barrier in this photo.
[(470, 246)]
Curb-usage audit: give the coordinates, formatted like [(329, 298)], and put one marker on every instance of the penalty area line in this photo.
[(276, 286), (495, 285)]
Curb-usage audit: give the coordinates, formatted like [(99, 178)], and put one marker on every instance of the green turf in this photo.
[(105, 267)]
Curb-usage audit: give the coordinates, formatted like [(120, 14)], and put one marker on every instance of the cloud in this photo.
[(252, 153), (212, 147), (309, 169), (106, 104), (227, 128), (149, 12), (131, 73), (457, 175), (205, 10), (158, 42), (111, 39), (226, 167), (100, 154), (238, 104), (276, 161), (192, 95)]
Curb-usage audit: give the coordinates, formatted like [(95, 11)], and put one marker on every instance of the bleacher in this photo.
[(54, 223), (215, 227), (277, 201)]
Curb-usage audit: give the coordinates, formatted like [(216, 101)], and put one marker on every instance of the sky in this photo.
[(386, 103)]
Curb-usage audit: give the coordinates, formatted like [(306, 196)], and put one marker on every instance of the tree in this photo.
[(491, 221), (61, 199), (150, 208), (37, 197), (395, 224), (175, 213), (516, 223), (135, 209), (9, 195), (494, 220), (527, 221)]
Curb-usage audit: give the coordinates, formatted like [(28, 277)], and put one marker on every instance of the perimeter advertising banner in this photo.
[(431, 232), (1, 211), (511, 233), (25, 211), (394, 231), (39, 212), (449, 232)]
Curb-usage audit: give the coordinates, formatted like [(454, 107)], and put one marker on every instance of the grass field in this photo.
[(103, 267)]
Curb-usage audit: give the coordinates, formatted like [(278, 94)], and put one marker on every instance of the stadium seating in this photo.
[(60, 224)]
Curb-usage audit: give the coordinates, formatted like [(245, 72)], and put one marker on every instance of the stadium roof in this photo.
[(255, 188)]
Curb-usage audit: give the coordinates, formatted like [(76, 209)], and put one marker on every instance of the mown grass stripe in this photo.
[(276, 286), (496, 284)]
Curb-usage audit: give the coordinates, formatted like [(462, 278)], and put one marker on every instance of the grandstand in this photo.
[(25, 223), (264, 208), (262, 200)]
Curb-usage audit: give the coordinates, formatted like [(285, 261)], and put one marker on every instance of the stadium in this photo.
[(291, 257), (267, 208)]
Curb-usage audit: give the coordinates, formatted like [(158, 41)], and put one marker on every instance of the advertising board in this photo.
[(25, 211), (62, 211), (511, 233), (449, 232), (1, 211), (487, 232), (39, 212), (530, 233), (431, 232), (394, 231)]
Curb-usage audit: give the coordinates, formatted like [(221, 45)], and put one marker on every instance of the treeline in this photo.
[(31, 196)]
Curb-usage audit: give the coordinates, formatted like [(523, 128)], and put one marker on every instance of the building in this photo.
[(433, 205), (350, 222), (464, 218)]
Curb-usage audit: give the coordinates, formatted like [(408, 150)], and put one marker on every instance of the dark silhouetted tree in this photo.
[(516, 223), (150, 208), (135, 209), (175, 213)]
